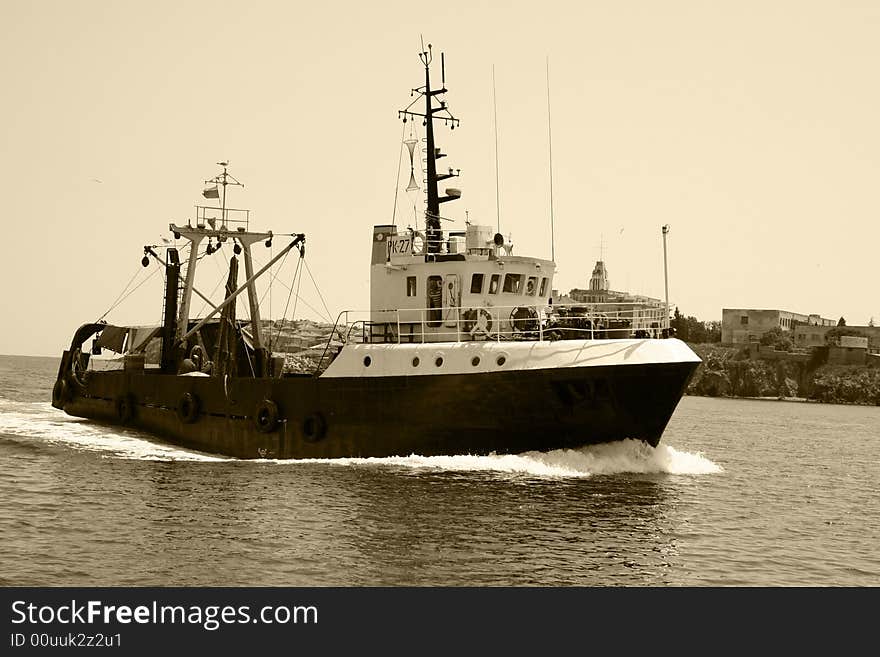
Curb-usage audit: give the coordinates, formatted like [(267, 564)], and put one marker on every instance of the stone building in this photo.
[(744, 325), (814, 336), (637, 311)]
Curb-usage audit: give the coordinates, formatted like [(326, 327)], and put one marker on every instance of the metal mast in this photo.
[(224, 179), (432, 154), (665, 230)]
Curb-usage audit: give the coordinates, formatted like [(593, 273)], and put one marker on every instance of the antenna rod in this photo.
[(497, 193), (550, 142), (223, 204), (443, 68), (665, 276)]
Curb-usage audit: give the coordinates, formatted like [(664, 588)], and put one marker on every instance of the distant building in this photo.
[(744, 325), (600, 291), (637, 311), (814, 336), (850, 350)]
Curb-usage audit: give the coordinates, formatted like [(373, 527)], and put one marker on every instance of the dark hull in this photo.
[(500, 412)]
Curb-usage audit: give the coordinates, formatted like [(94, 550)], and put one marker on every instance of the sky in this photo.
[(750, 127)]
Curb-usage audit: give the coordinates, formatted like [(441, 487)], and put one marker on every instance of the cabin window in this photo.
[(532, 286), (513, 283), (543, 290), (410, 286), (435, 300), (744, 319), (493, 283), (477, 284)]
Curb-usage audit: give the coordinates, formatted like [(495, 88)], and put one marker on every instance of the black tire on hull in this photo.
[(266, 417), (314, 427), (60, 393), (188, 408)]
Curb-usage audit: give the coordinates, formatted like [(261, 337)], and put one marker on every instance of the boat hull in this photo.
[(378, 416)]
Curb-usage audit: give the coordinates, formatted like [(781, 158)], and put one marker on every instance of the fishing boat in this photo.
[(459, 353)]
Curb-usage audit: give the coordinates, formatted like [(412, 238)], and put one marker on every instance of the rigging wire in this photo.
[(310, 306), (397, 179), (155, 271), (222, 280), (121, 298), (318, 290), (117, 300), (323, 315), (272, 282), (297, 274)]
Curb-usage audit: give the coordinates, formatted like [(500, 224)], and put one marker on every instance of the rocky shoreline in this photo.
[(729, 372)]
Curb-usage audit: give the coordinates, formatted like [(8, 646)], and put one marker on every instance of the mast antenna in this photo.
[(224, 179), (497, 193), (434, 110), (550, 142)]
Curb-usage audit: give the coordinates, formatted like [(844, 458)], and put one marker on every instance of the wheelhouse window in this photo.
[(493, 283), (543, 287), (513, 283), (532, 286), (477, 284), (410, 286)]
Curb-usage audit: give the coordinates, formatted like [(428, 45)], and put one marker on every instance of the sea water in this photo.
[(738, 493)]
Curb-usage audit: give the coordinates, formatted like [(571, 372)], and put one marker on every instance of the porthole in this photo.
[(367, 361), (416, 361), (438, 361), (475, 361), (501, 360)]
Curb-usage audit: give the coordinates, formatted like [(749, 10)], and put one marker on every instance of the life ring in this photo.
[(266, 416), (188, 408), (60, 393), (418, 242), (524, 318), (477, 321), (314, 427), (124, 406)]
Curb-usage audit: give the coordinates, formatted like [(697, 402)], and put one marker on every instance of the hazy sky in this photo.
[(752, 128)]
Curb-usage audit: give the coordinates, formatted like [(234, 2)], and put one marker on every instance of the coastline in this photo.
[(732, 372)]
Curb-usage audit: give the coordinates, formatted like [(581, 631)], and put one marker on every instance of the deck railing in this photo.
[(535, 322), (230, 218)]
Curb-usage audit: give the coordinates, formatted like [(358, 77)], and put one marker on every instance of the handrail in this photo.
[(535, 321), (231, 216)]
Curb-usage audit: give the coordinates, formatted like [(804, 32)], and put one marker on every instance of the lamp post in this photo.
[(665, 274)]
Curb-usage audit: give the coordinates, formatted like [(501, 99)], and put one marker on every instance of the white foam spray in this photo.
[(41, 422), (625, 456)]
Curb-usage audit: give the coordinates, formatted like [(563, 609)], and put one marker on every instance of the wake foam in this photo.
[(40, 422), (626, 456)]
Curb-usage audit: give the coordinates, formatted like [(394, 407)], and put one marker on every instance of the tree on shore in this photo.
[(691, 329), (778, 339), (832, 336)]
